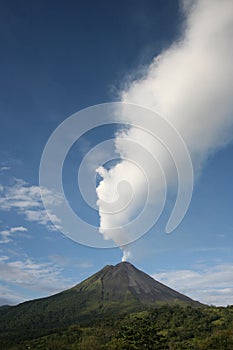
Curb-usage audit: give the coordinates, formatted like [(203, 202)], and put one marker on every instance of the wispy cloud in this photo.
[(26, 200), (7, 296), (42, 278), (4, 168), (6, 235), (211, 285)]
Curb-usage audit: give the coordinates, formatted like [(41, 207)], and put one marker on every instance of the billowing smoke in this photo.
[(191, 84)]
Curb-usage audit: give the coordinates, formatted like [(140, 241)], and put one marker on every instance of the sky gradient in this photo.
[(57, 59)]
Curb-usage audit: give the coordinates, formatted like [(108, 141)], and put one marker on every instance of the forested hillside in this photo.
[(167, 327)]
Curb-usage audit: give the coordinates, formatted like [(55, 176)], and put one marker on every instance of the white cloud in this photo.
[(4, 168), (18, 229), (42, 278), (9, 297), (6, 235), (191, 84), (26, 200), (3, 258), (211, 285)]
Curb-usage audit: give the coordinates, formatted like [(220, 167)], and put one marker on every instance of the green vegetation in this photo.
[(167, 327), (118, 308), (114, 290)]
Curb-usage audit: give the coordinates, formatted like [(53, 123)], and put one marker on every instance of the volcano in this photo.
[(113, 291), (124, 282)]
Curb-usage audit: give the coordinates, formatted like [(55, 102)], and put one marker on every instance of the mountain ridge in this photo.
[(113, 291), (125, 277)]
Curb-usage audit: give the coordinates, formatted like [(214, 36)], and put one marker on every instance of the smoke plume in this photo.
[(191, 84)]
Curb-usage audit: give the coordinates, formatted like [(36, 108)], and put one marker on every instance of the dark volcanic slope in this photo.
[(111, 291), (125, 279)]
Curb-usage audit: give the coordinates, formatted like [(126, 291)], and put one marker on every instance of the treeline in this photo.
[(167, 327)]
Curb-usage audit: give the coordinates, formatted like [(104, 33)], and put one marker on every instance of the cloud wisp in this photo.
[(26, 200), (189, 83), (39, 278), (210, 285), (7, 234)]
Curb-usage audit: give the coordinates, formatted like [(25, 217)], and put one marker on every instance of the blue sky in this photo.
[(57, 59)]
